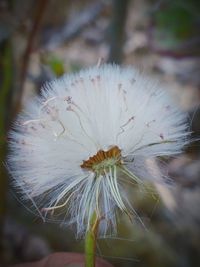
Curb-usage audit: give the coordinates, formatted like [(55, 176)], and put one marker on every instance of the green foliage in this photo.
[(176, 22), (56, 65)]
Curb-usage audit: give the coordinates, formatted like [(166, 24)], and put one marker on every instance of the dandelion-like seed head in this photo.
[(75, 147)]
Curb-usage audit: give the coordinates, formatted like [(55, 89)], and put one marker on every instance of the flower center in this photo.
[(103, 160)]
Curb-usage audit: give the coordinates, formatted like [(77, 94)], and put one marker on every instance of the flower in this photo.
[(76, 146)]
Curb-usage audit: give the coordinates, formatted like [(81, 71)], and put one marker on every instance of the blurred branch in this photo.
[(71, 29), (35, 29), (5, 90), (117, 30)]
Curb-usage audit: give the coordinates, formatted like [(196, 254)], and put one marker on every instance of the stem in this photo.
[(90, 241)]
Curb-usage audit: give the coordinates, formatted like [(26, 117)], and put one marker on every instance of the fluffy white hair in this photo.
[(79, 115)]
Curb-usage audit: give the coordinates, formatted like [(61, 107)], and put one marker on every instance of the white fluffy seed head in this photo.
[(79, 115)]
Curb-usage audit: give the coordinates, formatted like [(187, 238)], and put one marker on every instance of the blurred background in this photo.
[(41, 40)]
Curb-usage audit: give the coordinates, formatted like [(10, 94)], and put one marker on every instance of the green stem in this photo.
[(90, 241)]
